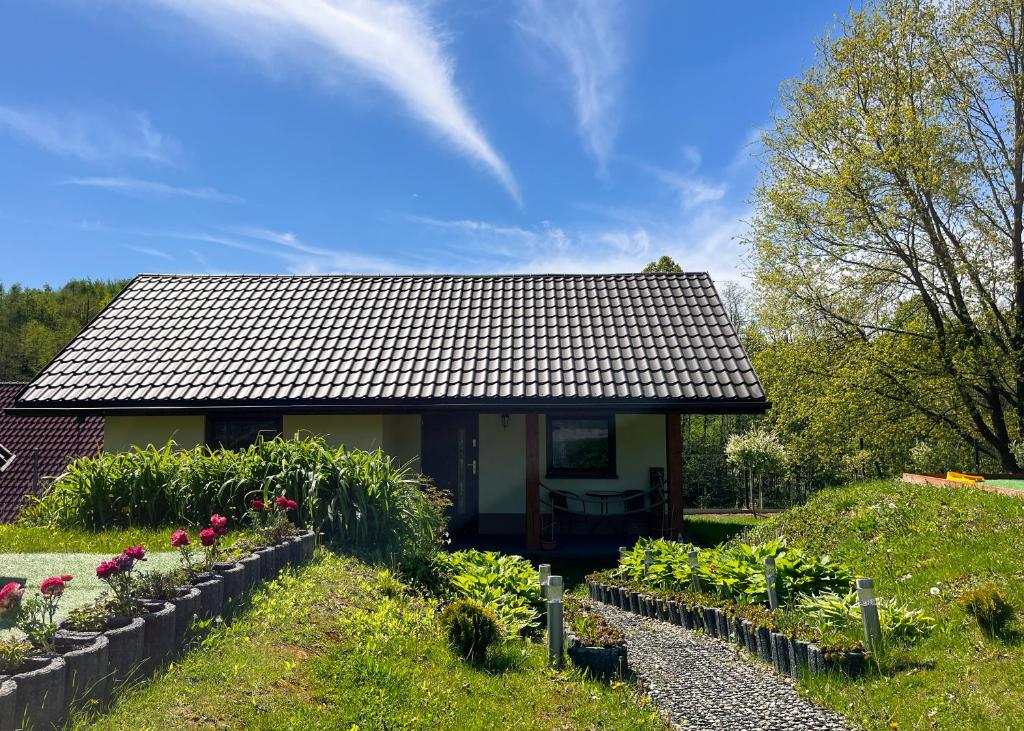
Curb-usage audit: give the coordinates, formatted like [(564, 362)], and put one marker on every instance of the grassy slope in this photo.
[(911, 538), (341, 646), (710, 530)]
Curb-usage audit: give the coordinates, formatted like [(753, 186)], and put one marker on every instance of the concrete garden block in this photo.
[(722, 620), (606, 594), (252, 574), (211, 595), (39, 701), (780, 653), (673, 612), (634, 602), (686, 615), (620, 597), (87, 675), (8, 704), (736, 631), (750, 636), (268, 562), (233, 574), (590, 589), (307, 544), (158, 638), (663, 610), (650, 608), (709, 621), (186, 606), (598, 662), (764, 644), (797, 657), (294, 551), (126, 636)]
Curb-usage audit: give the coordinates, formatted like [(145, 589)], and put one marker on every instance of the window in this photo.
[(6, 457), (581, 446), (238, 432)]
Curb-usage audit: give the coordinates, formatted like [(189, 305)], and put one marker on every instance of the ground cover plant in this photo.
[(356, 499), (928, 549), (336, 646)]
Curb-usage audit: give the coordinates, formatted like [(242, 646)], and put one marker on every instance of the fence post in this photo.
[(694, 565), (647, 560), (769, 577), (544, 571), (556, 627), (869, 614)]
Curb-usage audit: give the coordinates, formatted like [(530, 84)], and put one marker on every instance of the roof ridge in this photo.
[(561, 275)]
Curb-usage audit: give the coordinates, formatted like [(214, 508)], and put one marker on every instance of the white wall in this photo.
[(120, 433)]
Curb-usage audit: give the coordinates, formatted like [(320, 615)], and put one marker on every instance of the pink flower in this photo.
[(136, 553), (257, 505), (53, 586), (180, 538), (66, 578), (219, 523), (10, 595), (106, 569), (281, 503), (292, 505), (207, 536)]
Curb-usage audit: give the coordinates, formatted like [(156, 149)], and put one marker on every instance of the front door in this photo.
[(449, 457)]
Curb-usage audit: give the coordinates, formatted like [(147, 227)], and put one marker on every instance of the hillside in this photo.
[(912, 539)]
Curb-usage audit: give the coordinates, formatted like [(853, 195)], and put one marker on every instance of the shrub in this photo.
[(990, 606), (472, 628), (90, 618), (508, 585), (357, 499)]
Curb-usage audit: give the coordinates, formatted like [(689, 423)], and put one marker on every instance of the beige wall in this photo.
[(120, 433), (402, 438), (639, 445), (357, 431)]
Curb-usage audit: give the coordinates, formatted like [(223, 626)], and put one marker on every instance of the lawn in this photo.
[(343, 645), (913, 539), (710, 530), (15, 538)]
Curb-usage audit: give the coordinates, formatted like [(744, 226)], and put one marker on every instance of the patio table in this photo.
[(603, 496)]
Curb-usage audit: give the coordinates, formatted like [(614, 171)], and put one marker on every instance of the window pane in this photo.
[(580, 444), (242, 431)]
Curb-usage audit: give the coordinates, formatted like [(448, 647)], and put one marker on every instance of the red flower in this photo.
[(136, 553), (257, 505), (180, 538), (106, 569), (219, 523), (281, 503), (292, 505), (10, 595), (53, 586), (66, 578), (207, 536)]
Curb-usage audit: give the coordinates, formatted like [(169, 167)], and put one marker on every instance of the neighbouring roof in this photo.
[(654, 340), (39, 444)]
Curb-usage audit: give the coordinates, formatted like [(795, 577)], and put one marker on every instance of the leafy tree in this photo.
[(889, 220), (36, 323), (758, 454), (664, 264)]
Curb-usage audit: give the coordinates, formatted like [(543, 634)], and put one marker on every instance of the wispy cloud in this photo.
[(396, 44), (90, 137), (692, 190), (585, 36), (135, 186), (148, 251)]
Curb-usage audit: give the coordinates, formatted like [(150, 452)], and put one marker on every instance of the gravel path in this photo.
[(704, 683)]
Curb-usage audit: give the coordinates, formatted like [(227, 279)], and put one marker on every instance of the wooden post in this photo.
[(532, 483), (674, 459)]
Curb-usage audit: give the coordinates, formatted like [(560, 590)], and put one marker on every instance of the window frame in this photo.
[(604, 473), (212, 419)]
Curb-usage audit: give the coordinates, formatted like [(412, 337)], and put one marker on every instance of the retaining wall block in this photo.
[(8, 704), (764, 644), (87, 667), (158, 638), (126, 639), (780, 653)]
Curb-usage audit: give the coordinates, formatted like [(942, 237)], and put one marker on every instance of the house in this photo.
[(34, 450), (516, 393)]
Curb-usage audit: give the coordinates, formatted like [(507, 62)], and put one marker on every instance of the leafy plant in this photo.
[(839, 614), (12, 655), (472, 628), (990, 606), (509, 585), (590, 627), (89, 618), (160, 585)]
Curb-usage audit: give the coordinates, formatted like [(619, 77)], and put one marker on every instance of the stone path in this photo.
[(704, 683)]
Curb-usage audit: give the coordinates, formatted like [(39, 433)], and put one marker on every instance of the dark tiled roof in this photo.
[(318, 340), (44, 442)]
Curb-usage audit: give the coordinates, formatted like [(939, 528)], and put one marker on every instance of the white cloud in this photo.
[(586, 37), (90, 137), (135, 186), (395, 44), (150, 251), (692, 190)]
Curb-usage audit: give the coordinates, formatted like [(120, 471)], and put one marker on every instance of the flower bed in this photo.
[(724, 593), (592, 643), (77, 662)]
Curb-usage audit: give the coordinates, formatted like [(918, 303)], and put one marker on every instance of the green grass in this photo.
[(339, 645), (30, 569), (911, 538), (710, 530), (17, 538), (1007, 484)]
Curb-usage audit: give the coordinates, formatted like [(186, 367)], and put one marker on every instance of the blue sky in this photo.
[(345, 136)]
